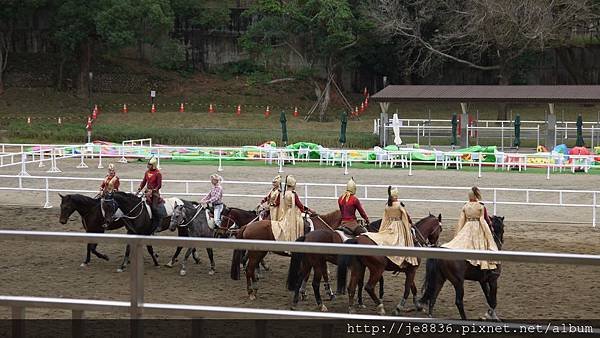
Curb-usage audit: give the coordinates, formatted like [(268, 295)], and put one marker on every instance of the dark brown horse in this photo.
[(440, 270), (302, 263), (91, 217), (261, 230), (427, 232)]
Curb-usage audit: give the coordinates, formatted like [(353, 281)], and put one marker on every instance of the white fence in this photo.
[(137, 307), (342, 157), (310, 192)]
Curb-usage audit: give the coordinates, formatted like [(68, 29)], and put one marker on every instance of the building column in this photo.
[(550, 128), (464, 122), (383, 119)]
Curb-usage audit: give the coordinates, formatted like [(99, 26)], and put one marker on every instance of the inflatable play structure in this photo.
[(561, 154)]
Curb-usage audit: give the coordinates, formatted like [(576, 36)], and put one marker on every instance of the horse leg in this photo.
[(354, 280), (304, 271), (183, 270), (303, 285), (360, 268), (264, 265), (493, 290), (316, 283), (209, 251), (152, 254), (174, 258), (195, 256), (327, 285), (381, 287), (98, 254), (408, 283), (374, 276), (125, 259), (413, 288), (459, 290), (87, 257)]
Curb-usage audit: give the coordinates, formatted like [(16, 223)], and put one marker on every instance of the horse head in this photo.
[(67, 208), (429, 230), (498, 230), (178, 217), (109, 207)]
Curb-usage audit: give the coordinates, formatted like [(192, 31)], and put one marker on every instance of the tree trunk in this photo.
[(325, 102), (61, 69), (85, 55)]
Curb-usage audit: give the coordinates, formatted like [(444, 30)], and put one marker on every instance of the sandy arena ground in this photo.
[(527, 291)]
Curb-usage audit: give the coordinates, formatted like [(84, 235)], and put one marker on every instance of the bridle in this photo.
[(420, 239), (199, 209)]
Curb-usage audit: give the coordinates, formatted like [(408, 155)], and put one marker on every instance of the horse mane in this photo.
[(82, 199), (332, 218), (421, 221)]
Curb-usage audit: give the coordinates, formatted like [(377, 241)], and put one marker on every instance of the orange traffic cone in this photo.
[(356, 111), (125, 110), (362, 107), (96, 109), (181, 108), (88, 125), (153, 108), (296, 112), (366, 102), (238, 111), (267, 112), (365, 92), (94, 114), (211, 109)]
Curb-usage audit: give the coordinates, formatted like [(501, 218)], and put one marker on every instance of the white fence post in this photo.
[(82, 164), (220, 168), (41, 165), (23, 165), (305, 194), (480, 160), (136, 279), (410, 163), (494, 202), (47, 205), (53, 166), (122, 159), (548, 167), (594, 210), (100, 166), (345, 163), (280, 160)]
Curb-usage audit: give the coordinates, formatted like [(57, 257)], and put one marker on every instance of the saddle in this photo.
[(210, 216), (165, 206)]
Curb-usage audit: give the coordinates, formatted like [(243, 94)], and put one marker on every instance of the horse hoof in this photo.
[(211, 272), (323, 308), (169, 265), (120, 270), (331, 297), (252, 297), (380, 310), (182, 273), (83, 265), (397, 311)]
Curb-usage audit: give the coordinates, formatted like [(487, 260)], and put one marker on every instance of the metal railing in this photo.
[(136, 306), (528, 197)]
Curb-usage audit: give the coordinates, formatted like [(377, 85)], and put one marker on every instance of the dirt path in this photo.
[(527, 291)]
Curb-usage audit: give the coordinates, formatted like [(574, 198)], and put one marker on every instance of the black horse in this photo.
[(136, 217), (440, 270), (91, 217)]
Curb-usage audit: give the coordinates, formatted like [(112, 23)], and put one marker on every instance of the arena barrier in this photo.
[(366, 192), (137, 307), (344, 158)]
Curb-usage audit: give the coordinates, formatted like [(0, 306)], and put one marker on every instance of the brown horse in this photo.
[(302, 263), (261, 230), (440, 270), (427, 232)]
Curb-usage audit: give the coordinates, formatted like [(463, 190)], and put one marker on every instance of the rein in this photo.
[(422, 241), (327, 225), (193, 218)]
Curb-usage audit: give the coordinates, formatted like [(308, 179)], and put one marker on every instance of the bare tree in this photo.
[(483, 34)]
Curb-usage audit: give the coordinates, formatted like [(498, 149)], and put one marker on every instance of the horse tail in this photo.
[(342, 271), (235, 264), (294, 277), (432, 274)]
